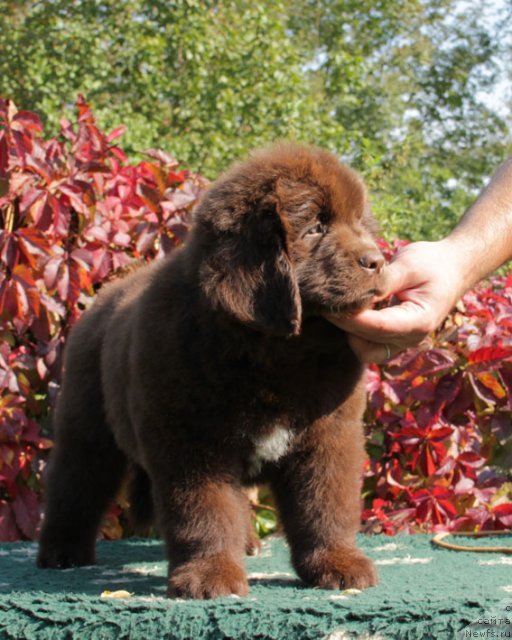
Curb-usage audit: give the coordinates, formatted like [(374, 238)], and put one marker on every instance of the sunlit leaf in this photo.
[(26, 508), (8, 530)]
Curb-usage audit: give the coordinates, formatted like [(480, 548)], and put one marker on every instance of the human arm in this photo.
[(482, 241), (427, 278)]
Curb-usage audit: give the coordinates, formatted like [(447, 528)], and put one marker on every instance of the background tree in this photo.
[(405, 80), (395, 87), (208, 80)]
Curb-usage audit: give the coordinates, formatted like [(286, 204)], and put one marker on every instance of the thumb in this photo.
[(398, 276)]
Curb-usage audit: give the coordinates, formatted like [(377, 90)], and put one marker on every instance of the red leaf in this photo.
[(82, 257), (505, 375), (84, 111), (161, 156), (63, 282), (146, 235), (26, 290), (158, 174), (150, 197), (51, 271), (122, 239), (27, 511), (470, 459), (36, 162), (488, 355), (423, 389), (460, 399), (504, 509), (179, 199), (427, 462), (101, 264), (180, 231), (67, 131), (19, 182), (29, 197), (487, 387), (8, 304), (34, 245), (96, 233), (23, 275), (9, 249), (27, 120), (4, 155), (41, 213), (503, 516), (60, 217), (119, 154), (463, 486), (75, 196), (8, 529), (116, 133)]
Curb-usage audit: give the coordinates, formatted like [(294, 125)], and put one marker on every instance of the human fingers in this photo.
[(403, 325), (367, 351), (380, 352)]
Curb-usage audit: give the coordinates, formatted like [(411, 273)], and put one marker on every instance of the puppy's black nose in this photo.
[(372, 261)]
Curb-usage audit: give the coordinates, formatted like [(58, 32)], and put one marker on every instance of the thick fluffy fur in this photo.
[(214, 369)]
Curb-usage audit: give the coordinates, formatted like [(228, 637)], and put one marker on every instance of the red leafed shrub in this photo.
[(441, 424), (73, 212)]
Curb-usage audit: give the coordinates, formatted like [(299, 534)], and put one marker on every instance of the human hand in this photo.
[(426, 279)]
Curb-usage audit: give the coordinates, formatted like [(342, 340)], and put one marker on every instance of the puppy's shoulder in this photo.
[(113, 297), (126, 288)]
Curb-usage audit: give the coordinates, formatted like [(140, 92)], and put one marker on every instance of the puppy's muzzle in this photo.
[(372, 261)]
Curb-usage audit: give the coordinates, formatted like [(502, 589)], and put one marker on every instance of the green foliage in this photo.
[(393, 86), (404, 80), (265, 522), (264, 511), (211, 80)]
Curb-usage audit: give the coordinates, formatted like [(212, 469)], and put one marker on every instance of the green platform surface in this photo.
[(424, 592)]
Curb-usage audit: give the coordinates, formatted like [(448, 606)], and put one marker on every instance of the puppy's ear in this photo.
[(248, 272)]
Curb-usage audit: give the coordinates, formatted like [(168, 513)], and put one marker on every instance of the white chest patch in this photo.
[(269, 448)]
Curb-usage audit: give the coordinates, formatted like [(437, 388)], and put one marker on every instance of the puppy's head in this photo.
[(284, 234)]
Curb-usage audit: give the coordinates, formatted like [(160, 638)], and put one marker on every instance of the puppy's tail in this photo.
[(139, 496)]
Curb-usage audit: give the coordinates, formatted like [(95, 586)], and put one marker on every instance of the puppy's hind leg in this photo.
[(83, 479), (142, 512), (84, 475), (85, 471)]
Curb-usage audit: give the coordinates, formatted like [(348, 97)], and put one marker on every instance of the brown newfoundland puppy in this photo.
[(214, 369)]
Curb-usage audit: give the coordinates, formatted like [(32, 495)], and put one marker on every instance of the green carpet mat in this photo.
[(425, 592)]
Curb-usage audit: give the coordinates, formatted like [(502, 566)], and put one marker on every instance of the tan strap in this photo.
[(439, 539)]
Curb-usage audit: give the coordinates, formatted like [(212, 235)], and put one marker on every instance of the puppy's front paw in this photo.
[(342, 568), (210, 577)]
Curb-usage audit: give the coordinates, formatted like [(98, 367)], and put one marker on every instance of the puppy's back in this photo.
[(82, 390)]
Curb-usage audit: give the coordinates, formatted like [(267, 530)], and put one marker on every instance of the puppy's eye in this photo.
[(318, 229)]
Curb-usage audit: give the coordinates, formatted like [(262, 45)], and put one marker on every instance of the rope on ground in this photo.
[(439, 540)]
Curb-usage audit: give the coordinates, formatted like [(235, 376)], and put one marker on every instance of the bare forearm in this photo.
[(482, 240)]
